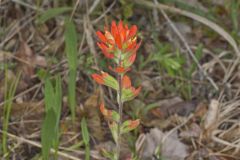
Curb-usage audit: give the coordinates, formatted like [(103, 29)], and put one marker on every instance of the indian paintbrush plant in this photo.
[(119, 44)]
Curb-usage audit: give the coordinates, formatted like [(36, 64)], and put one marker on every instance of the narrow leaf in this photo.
[(48, 128), (85, 133), (51, 13), (70, 36)]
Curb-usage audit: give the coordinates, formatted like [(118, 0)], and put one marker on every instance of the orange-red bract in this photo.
[(126, 82), (104, 111), (99, 78), (133, 124), (119, 38)]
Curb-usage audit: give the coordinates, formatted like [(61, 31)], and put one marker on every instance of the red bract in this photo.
[(120, 38), (134, 124), (128, 88), (119, 69), (104, 111), (99, 78), (126, 82)]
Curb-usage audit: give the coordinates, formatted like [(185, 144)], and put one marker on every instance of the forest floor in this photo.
[(188, 66)]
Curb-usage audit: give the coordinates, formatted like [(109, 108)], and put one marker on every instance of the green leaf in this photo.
[(125, 127), (70, 36), (115, 116), (58, 97), (53, 105), (127, 94), (86, 139), (72, 92), (71, 52), (51, 13), (85, 133), (49, 95), (48, 128), (114, 130), (111, 82)]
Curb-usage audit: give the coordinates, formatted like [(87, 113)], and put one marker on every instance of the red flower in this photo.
[(119, 38)]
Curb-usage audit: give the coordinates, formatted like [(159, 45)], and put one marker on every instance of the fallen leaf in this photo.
[(173, 106), (28, 60), (193, 131), (171, 148), (91, 109), (212, 114)]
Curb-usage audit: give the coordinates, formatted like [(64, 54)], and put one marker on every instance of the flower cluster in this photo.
[(120, 44)]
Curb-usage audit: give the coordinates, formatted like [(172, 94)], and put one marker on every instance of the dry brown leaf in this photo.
[(193, 131), (171, 148), (173, 106), (212, 114), (29, 60), (91, 108)]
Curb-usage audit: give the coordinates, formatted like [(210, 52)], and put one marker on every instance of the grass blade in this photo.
[(70, 36), (50, 128), (71, 52), (8, 96), (51, 13), (85, 136)]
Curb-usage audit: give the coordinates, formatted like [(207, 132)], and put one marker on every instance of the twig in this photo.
[(27, 5), (74, 9), (104, 13), (21, 139), (155, 15), (94, 5), (176, 128)]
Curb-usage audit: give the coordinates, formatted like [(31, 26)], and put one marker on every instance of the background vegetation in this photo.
[(188, 67)]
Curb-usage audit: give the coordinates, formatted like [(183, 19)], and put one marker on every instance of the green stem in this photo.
[(87, 152), (120, 111)]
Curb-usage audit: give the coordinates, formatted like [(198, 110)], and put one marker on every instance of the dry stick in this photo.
[(27, 5), (176, 128), (203, 20), (22, 93), (94, 5), (26, 20), (155, 15), (74, 9), (21, 139), (188, 49), (104, 13)]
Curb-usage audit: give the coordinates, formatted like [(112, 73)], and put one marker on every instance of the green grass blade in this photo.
[(49, 95), (8, 96), (85, 133), (71, 92), (58, 94), (50, 128), (47, 133), (51, 13), (86, 139), (71, 52), (70, 36)]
